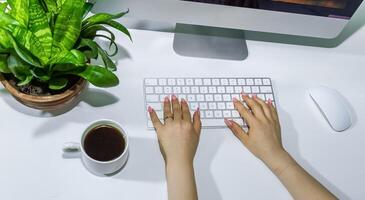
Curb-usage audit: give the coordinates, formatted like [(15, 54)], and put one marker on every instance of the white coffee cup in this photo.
[(95, 166)]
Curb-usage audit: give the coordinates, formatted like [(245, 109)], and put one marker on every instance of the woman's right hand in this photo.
[(263, 137)]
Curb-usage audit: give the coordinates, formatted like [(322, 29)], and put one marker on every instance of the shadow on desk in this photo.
[(290, 141), (146, 164)]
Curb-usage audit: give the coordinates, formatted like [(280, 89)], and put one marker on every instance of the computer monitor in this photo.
[(311, 18)]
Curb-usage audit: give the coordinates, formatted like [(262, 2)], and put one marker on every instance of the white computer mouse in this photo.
[(332, 106)]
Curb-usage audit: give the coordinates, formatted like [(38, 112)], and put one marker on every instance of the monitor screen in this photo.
[(343, 9)]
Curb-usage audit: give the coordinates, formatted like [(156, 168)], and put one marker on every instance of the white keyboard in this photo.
[(213, 96)]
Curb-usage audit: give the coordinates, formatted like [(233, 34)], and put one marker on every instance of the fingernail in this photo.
[(235, 99), (167, 99), (183, 101), (198, 111), (269, 102), (254, 96), (150, 109), (173, 97), (228, 122)]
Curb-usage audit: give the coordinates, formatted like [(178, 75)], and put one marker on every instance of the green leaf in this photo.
[(119, 27), (26, 81), (4, 64), (51, 6), (74, 57), (87, 7), (19, 10), (8, 42), (38, 24), (68, 25), (3, 6), (102, 17), (91, 31), (40, 74), (109, 64), (57, 83), (18, 68), (96, 75), (64, 67), (93, 46), (6, 20)]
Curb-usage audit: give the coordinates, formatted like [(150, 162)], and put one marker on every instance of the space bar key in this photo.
[(217, 123)]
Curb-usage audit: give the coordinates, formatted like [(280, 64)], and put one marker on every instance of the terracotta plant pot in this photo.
[(50, 102)]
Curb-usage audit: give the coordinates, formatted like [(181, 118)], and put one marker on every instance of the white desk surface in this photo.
[(32, 166)]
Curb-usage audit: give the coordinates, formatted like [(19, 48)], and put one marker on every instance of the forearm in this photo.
[(181, 181), (298, 182)]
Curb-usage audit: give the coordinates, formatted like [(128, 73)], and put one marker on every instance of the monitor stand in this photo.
[(210, 42)]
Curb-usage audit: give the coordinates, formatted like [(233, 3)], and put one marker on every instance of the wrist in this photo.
[(278, 163), (178, 163)]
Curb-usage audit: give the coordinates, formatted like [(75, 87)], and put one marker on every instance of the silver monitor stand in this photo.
[(210, 42)]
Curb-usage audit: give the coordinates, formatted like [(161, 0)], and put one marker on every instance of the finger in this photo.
[(237, 131), (167, 114), (265, 107), (154, 118), (185, 110), (176, 107), (273, 110), (244, 112), (197, 124), (254, 106)]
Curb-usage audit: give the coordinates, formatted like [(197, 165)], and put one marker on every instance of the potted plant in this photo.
[(46, 47)]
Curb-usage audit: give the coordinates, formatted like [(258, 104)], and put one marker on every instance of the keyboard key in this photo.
[(221, 90), (221, 106), (227, 97), (162, 81), (180, 81), (249, 82), (209, 97), (195, 90), (200, 97), (235, 114), (182, 96), (217, 97), (227, 114), (255, 89), (209, 114), (218, 114), (207, 81), (224, 81), (194, 106), (232, 81), (258, 82), (265, 89), (213, 123), (158, 90), (212, 90), (198, 81), (152, 98), (186, 90), (215, 81), (189, 81), (261, 96), (247, 90), (151, 81), (229, 105), (191, 97), (171, 81), (229, 89), (203, 106), (241, 81), (203, 90), (266, 81), (212, 106), (237, 96), (149, 90), (155, 106), (167, 90), (238, 89), (176, 90), (269, 97)]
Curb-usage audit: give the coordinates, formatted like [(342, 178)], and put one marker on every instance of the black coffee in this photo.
[(104, 143)]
